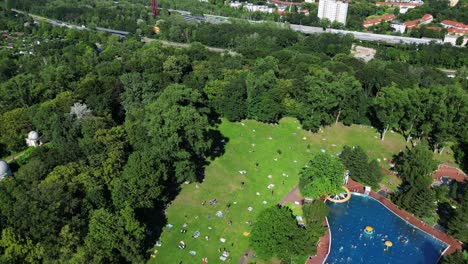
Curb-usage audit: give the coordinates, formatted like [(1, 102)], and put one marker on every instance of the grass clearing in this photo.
[(251, 143), (391, 181), (296, 209)]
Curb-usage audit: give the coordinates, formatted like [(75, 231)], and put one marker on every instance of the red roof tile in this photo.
[(284, 2), (458, 31), (378, 20), (451, 23), (427, 17), (451, 172), (412, 23), (399, 4)]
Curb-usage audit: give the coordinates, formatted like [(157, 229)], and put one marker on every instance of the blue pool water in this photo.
[(350, 244)]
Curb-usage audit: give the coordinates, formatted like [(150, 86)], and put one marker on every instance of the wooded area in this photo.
[(127, 123)]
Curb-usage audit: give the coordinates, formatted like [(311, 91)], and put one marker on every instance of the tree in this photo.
[(448, 116), (14, 127), (389, 108), (419, 201), (457, 226), (15, 248), (228, 96), (114, 237), (175, 67), (323, 175), (319, 100), (177, 129), (360, 169), (455, 258), (415, 120), (372, 75), (416, 165), (19, 90), (327, 97), (314, 214), (276, 234), (113, 155), (263, 97), (346, 90), (142, 183), (459, 41), (325, 23), (137, 90)]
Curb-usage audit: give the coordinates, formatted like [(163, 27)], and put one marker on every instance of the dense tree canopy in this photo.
[(323, 175), (125, 123), (415, 167), (359, 166), (277, 234), (457, 224)]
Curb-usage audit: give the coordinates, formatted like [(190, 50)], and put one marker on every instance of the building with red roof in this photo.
[(378, 20), (448, 172), (426, 19), (411, 24), (411, 5), (458, 31), (278, 2), (453, 24)]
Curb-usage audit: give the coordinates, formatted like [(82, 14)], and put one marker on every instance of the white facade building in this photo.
[(333, 10), (253, 8), (259, 8), (452, 39), (399, 27)]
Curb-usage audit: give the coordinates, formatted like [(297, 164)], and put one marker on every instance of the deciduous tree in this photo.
[(323, 175)]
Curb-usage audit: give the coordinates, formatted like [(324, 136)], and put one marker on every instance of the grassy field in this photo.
[(261, 150)]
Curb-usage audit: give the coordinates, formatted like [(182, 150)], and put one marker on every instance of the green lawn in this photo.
[(249, 143)]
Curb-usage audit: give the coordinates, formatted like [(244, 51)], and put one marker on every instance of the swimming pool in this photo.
[(350, 244)]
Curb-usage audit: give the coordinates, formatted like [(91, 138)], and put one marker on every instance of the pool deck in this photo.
[(322, 250), (324, 242)]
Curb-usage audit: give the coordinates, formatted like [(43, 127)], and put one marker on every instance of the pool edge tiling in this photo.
[(350, 244)]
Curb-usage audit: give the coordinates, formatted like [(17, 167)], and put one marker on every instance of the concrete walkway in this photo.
[(245, 258), (293, 196)]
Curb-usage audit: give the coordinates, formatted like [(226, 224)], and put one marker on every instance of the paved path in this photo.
[(293, 196), (245, 258), (17, 156)]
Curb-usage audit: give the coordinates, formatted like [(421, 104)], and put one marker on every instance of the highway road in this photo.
[(365, 36), (220, 19), (304, 29), (318, 30)]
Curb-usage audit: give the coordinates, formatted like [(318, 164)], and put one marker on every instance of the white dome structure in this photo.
[(33, 139), (33, 135), (4, 169)]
